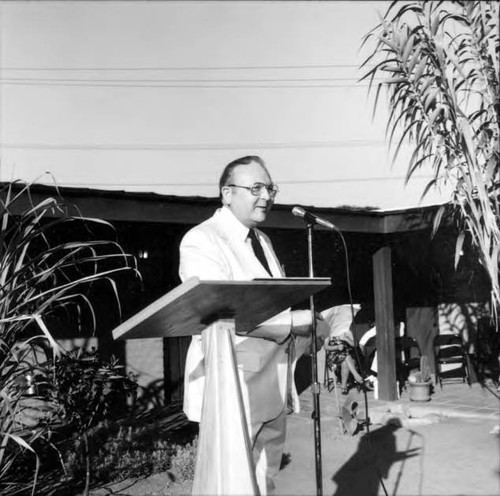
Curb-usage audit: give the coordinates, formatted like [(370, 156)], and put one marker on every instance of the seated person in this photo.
[(340, 351)]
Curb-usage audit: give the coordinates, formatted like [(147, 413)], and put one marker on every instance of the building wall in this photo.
[(159, 96)]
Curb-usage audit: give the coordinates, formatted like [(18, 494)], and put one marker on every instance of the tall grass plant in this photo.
[(51, 260), (439, 64)]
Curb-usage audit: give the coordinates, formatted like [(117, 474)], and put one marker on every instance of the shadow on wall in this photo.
[(462, 320), (150, 396), (472, 323)]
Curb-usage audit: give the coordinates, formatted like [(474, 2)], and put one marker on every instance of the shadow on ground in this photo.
[(363, 473)]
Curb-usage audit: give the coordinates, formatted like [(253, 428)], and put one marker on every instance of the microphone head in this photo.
[(298, 211), (311, 218)]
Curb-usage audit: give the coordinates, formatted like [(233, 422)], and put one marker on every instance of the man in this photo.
[(220, 249)]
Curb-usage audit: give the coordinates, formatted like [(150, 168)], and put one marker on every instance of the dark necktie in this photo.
[(257, 249)]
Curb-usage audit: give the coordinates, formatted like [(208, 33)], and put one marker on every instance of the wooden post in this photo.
[(384, 319)]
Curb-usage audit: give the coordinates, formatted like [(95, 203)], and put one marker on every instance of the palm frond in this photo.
[(440, 65)]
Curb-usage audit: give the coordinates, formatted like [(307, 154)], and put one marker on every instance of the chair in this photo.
[(407, 357), (450, 358), (369, 352)]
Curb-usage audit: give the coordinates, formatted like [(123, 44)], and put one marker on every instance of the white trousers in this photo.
[(268, 443)]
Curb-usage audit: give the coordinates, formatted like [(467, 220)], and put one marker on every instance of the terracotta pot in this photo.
[(420, 391)]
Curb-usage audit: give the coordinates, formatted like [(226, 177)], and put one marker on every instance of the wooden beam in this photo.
[(384, 319)]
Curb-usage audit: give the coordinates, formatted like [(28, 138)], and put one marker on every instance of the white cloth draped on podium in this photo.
[(224, 463)]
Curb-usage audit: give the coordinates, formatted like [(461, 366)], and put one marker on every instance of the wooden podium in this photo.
[(218, 310)]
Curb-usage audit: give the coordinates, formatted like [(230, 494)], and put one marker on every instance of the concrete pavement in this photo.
[(456, 428)]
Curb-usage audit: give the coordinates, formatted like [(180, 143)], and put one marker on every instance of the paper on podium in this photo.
[(190, 307)]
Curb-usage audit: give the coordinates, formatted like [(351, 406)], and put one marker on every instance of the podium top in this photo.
[(190, 307)]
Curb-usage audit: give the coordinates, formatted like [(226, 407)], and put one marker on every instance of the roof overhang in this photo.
[(191, 210)]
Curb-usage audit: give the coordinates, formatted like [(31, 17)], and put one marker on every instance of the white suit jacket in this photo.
[(217, 249)]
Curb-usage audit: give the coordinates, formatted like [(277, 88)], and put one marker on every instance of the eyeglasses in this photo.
[(257, 188)]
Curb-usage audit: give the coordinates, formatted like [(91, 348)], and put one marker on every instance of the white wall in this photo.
[(159, 96)]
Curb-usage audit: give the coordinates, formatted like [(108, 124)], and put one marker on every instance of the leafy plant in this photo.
[(123, 452), (439, 62), (51, 258), (127, 448), (424, 374), (184, 460), (89, 390)]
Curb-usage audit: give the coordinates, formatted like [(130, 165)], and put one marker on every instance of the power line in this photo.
[(354, 179), (186, 68), (182, 86), (148, 81), (190, 146), (211, 184)]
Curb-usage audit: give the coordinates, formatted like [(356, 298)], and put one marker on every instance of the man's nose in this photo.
[(264, 193)]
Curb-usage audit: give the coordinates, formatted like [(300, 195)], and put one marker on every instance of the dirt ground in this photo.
[(428, 456)]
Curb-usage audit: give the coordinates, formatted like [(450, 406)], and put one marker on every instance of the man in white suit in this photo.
[(220, 249)]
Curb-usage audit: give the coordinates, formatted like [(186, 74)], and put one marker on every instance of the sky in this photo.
[(159, 96)]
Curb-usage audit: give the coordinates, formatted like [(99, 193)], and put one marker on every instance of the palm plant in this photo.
[(423, 374), (439, 62), (46, 271)]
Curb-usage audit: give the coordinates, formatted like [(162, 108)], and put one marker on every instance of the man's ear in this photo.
[(226, 195)]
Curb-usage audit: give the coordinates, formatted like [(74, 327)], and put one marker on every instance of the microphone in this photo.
[(311, 218)]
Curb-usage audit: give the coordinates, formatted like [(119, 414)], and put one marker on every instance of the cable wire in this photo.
[(180, 86), (170, 80), (194, 146), (186, 68), (298, 182)]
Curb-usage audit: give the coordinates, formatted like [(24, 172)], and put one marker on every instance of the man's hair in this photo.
[(228, 170)]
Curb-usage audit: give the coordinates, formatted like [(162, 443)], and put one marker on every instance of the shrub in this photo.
[(122, 452), (184, 460), (90, 390), (50, 259)]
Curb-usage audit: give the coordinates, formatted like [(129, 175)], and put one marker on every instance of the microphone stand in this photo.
[(315, 387)]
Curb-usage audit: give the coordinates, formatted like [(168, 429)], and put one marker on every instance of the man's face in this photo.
[(250, 210)]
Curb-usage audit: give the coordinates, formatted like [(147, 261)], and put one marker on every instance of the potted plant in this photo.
[(420, 382)]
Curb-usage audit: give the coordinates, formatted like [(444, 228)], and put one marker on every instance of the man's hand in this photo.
[(322, 328), (302, 326), (322, 331), (301, 322), (333, 345)]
